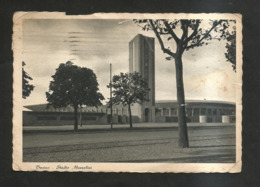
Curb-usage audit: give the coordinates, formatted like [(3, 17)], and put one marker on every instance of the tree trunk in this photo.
[(76, 118), (130, 116), (80, 116), (183, 134)]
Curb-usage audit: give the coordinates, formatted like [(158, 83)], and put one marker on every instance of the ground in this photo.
[(208, 144)]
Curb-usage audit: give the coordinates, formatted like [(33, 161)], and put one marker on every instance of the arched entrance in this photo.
[(147, 114)]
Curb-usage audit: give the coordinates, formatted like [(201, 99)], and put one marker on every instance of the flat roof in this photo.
[(140, 35), (195, 101), (42, 107)]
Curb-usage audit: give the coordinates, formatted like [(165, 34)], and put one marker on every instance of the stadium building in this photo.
[(142, 60)]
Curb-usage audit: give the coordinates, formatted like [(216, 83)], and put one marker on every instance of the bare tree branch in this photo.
[(205, 35), (184, 29), (195, 31), (160, 41), (171, 31)]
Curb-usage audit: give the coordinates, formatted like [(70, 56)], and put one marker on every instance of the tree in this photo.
[(27, 88), (128, 88), (231, 48), (75, 86), (193, 34)]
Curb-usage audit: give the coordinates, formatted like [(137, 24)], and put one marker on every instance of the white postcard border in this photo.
[(19, 165)]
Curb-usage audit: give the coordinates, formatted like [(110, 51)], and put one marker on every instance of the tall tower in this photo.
[(141, 60)]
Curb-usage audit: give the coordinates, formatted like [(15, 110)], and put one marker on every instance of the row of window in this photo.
[(195, 111), (66, 118), (71, 110), (117, 111), (189, 111)]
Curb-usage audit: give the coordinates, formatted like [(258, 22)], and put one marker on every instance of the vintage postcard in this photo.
[(127, 92)]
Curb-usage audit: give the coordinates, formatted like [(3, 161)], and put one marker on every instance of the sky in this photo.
[(97, 43)]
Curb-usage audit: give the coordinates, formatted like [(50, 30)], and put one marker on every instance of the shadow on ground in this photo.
[(216, 158)]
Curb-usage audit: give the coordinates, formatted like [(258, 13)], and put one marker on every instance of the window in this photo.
[(226, 111), (203, 111), (214, 111), (196, 111), (189, 112), (221, 111), (231, 112), (173, 111), (158, 112), (166, 112), (209, 112)]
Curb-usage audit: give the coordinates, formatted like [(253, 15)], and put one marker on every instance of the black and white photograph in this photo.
[(127, 92)]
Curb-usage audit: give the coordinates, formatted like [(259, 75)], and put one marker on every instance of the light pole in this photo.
[(111, 108)]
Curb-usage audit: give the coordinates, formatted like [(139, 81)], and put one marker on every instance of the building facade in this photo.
[(142, 60), (165, 112), (197, 111)]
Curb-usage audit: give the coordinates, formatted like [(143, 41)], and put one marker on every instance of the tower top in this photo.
[(141, 36)]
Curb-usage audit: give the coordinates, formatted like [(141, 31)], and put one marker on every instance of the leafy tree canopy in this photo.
[(75, 86), (129, 88), (231, 49), (27, 88)]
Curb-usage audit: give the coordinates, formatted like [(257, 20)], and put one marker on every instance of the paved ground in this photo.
[(207, 144)]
